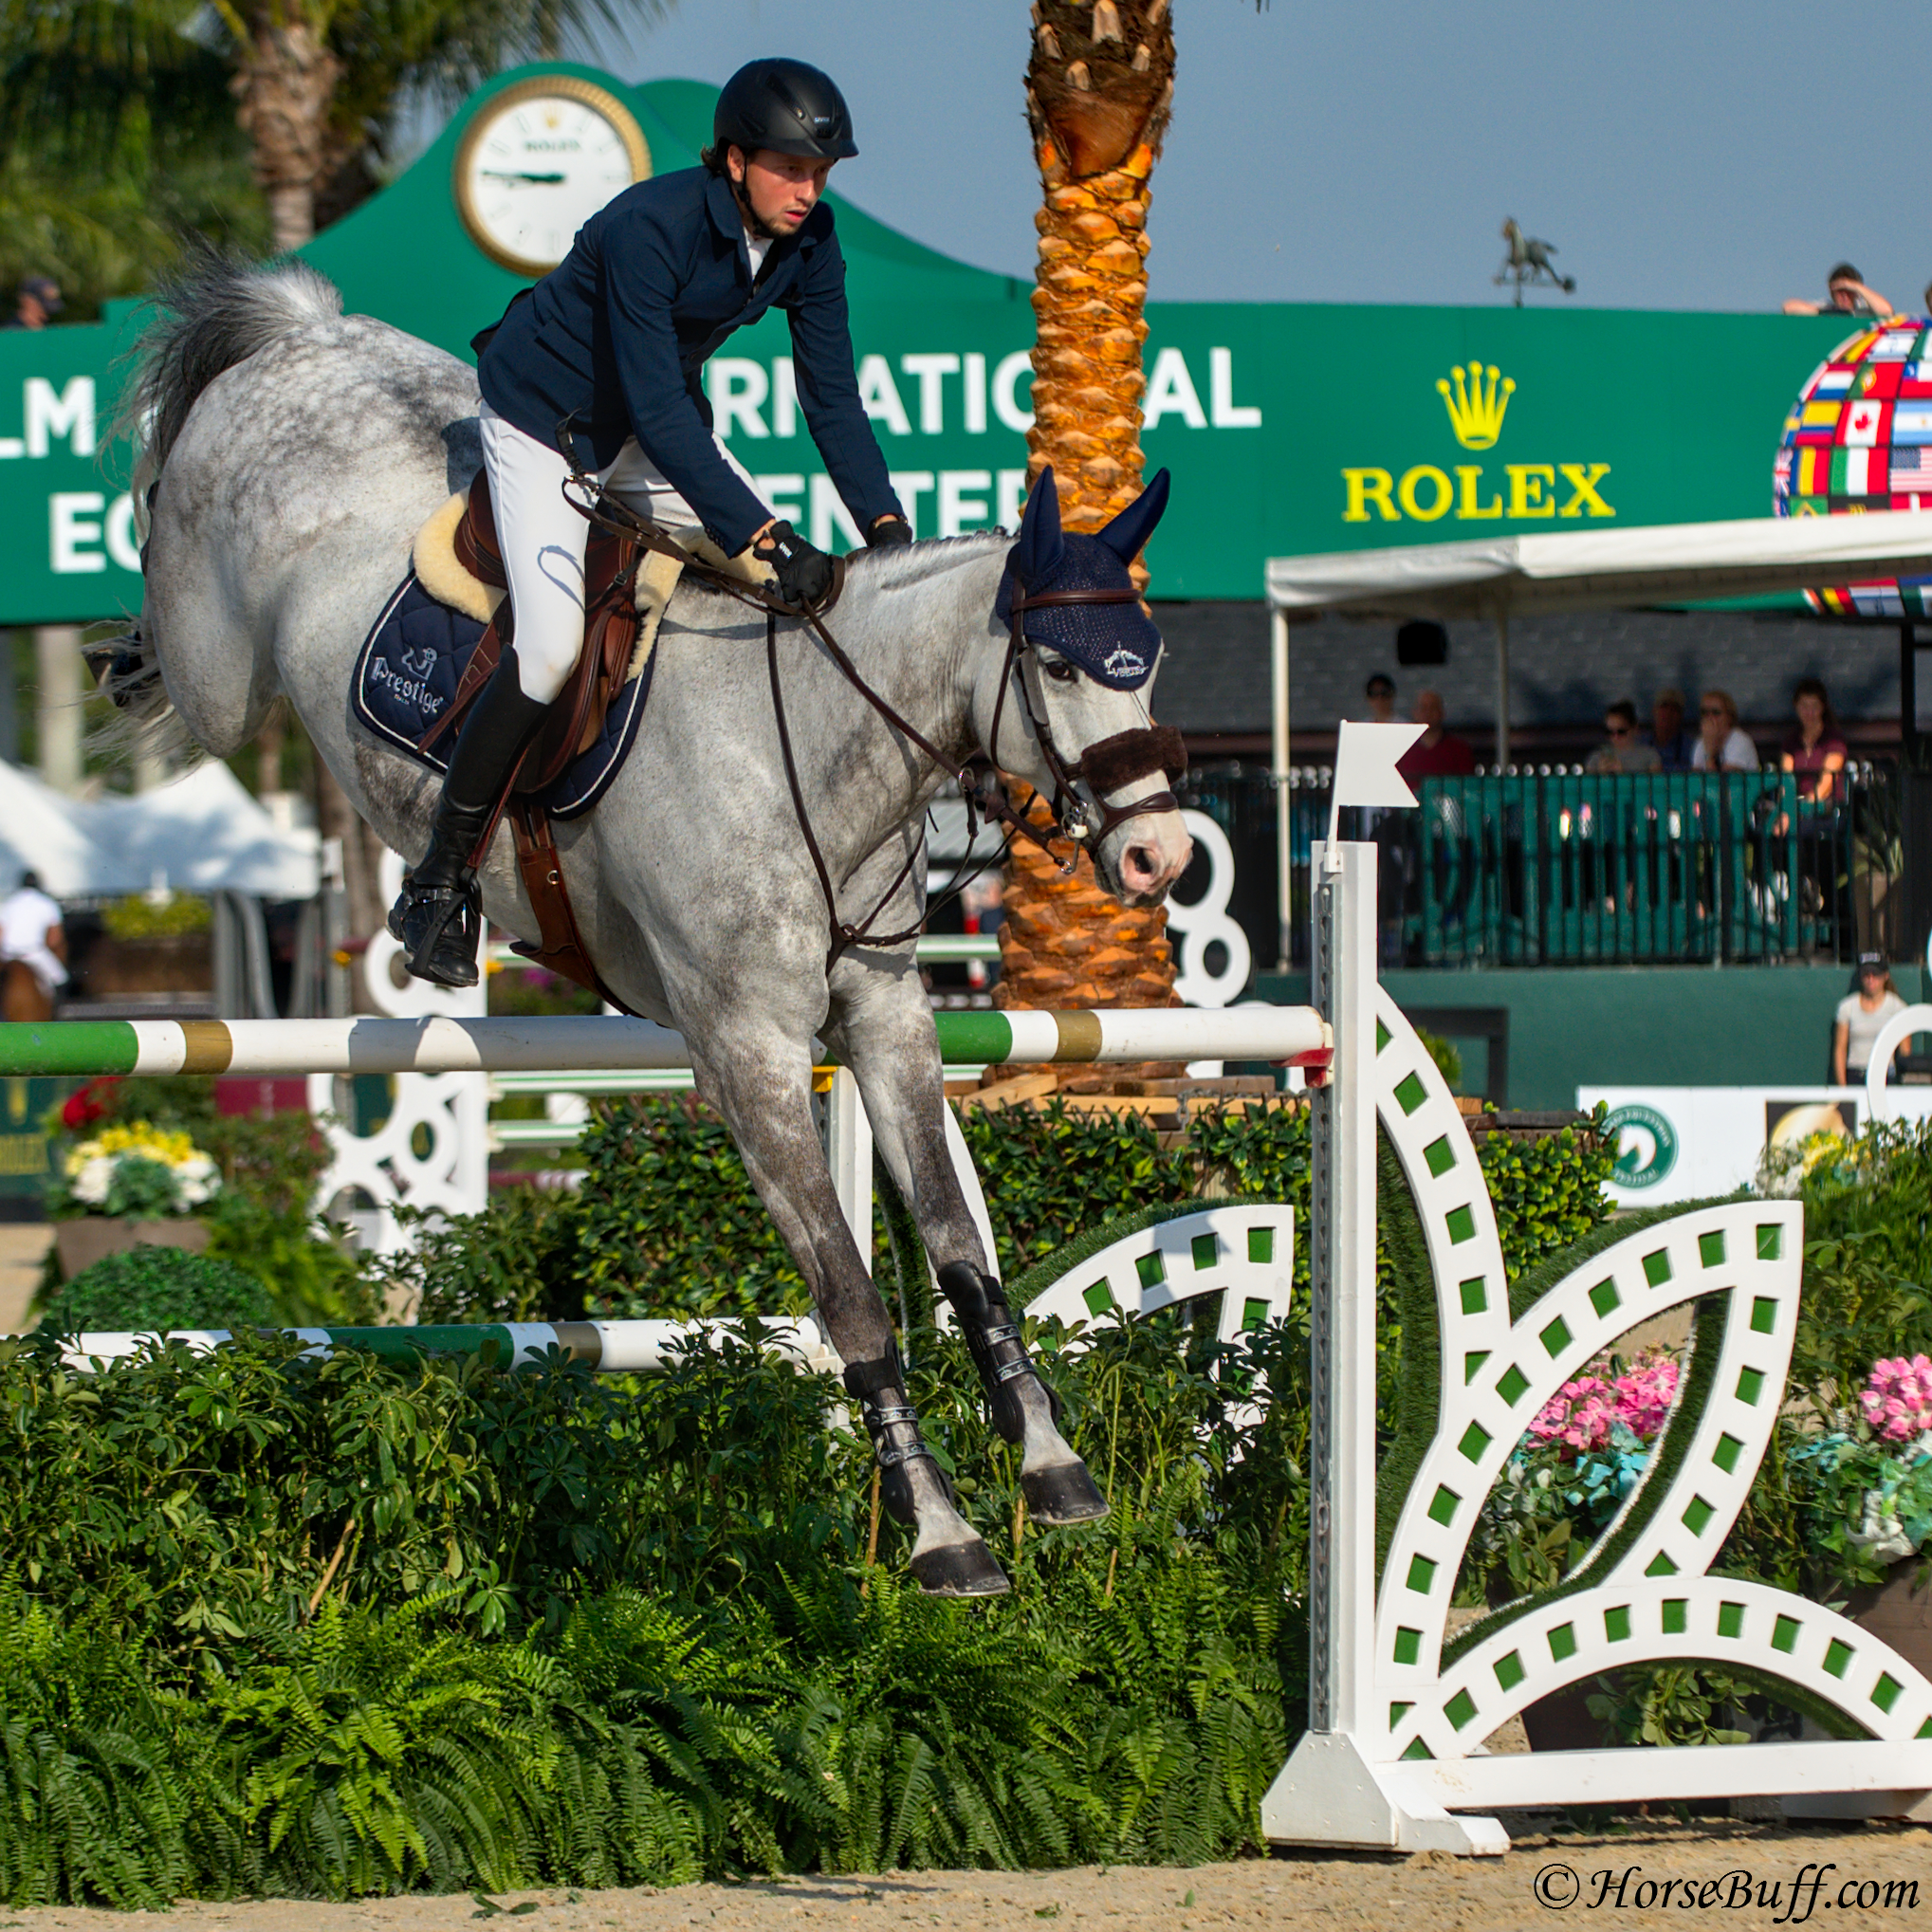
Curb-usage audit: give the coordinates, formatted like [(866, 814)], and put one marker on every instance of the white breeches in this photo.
[(544, 540)]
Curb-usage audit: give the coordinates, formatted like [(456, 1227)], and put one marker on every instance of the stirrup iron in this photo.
[(440, 930)]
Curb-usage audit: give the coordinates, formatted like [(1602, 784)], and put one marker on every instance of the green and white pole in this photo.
[(610, 1348), (1295, 1035)]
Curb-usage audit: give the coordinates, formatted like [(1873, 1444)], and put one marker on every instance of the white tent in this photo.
[(200, 833), (205, 833), (1577, 570), (1504, 576), (39, 831)]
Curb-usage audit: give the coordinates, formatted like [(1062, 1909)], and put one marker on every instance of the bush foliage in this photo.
[(292, 1625), (297, 1626), (666, 1219), (156, 1289)]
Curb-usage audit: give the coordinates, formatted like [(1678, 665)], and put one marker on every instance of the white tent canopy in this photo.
[(1504, 576), (199, 833)]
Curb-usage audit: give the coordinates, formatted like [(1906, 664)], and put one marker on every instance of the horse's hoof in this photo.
[(960, 1570), (1062, 1494)]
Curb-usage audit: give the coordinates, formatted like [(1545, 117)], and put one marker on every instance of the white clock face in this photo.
[(538, 162)]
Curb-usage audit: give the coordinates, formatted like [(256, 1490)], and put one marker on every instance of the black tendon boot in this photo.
[(963, 1568), (1056, 1491), (439, 917)]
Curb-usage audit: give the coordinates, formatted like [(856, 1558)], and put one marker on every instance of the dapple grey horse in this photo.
[(289, 455)]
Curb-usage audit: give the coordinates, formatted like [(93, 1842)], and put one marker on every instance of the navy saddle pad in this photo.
[(407, 676)]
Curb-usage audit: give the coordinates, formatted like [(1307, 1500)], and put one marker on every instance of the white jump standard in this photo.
[(1396, 1713)]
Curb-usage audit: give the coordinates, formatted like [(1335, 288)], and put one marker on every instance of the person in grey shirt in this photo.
[(1624, 751)]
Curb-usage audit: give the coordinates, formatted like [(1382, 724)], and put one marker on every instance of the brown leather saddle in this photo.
[(603, 665)]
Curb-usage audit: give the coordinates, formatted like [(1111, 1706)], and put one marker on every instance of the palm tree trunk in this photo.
[(1098, 87), (285, 83)]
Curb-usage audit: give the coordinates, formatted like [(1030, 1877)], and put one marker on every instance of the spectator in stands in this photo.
[(1862, 1016), (1623, 751), (1380, 693), (1845, 294), (36, 305), (1437, 753), (1721, 744), (1814, 748), (1674, 743)]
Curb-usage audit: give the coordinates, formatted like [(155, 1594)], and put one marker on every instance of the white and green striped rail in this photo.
[(1295, 1035), (610, 1347)]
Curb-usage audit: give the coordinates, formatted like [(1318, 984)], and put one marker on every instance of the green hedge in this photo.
[(666, 1219), (153, 1289)]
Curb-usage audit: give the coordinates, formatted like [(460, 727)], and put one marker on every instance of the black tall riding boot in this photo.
[(439, 917)]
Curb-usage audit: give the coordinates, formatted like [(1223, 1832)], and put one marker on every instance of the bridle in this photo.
[(1110, 765)]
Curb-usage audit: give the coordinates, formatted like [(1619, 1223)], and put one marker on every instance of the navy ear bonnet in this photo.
[(1116, 645)]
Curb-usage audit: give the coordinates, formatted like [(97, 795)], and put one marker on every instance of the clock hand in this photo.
[(505, 174)]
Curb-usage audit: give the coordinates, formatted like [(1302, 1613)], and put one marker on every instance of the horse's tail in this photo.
[(214, 311)]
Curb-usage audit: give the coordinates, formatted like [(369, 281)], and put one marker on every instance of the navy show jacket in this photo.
[(617, 333)]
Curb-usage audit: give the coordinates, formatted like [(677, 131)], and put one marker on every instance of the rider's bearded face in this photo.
[(776, 191)]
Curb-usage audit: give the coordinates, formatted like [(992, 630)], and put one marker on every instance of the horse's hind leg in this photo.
[(887, 1034), (760, 1083)]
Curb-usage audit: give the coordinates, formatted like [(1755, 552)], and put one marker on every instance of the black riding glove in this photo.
[(805, 572), (888, 531)]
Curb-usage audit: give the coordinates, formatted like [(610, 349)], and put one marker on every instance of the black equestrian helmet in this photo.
[(787, 107)]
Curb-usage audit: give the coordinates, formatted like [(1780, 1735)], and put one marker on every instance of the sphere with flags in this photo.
[(1859, 438)]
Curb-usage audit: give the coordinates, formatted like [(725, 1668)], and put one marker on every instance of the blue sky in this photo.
[(1681, 155)]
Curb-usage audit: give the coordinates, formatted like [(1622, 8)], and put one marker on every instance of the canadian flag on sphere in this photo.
[(1863, 422)]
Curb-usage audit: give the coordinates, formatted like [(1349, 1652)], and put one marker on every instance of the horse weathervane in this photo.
[(1527, 264)]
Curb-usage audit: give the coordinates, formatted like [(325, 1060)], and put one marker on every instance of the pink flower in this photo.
[(1897, 1398), (1582, 1413)]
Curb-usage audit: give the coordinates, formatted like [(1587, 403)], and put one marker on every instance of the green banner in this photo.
[(1289, 428)]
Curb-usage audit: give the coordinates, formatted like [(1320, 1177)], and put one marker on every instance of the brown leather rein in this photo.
[(1124, 757)]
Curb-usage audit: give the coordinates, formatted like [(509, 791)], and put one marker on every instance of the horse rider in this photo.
[(607, 348), (34, 939)]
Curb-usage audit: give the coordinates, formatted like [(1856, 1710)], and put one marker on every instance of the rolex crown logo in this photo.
[(1476, 405)]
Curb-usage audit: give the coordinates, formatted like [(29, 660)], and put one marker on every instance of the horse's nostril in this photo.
[(1141, 861)]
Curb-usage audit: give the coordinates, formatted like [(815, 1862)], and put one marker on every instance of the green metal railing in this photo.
[(1575, 869), (1557, 867)]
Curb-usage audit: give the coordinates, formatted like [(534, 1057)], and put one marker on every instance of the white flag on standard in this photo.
[(1365, 764), (1365, 772)]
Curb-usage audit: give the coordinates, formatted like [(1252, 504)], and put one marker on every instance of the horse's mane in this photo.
[(898, 566)]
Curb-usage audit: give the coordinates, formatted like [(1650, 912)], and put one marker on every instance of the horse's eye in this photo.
[(1061, 671)]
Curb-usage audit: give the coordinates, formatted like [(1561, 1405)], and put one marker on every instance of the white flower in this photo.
[(92, 1181), (195, 1180)]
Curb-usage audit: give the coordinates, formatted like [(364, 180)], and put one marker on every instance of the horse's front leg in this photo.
[(888, 1041), (759, 1081)]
